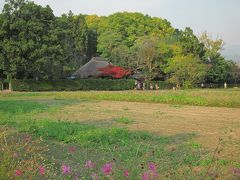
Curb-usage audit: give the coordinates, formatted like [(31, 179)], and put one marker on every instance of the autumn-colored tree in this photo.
[(114, 72)]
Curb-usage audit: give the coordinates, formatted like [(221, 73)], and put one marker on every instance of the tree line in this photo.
[(36, 44)]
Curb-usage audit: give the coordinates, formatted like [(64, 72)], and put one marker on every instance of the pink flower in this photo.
[(72, 149), (94, 176), (65, 169), (152, 167), (145, 176), (18, 173), (89, 164), (41, 170), (107, 169), (126, 173)]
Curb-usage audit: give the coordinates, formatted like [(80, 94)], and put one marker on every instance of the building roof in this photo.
[(91, 69)]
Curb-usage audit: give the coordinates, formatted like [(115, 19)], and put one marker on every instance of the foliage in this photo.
[(219, 69), (35, 44), (190, 43), (186, 71), (114, 72), (73, 85), (146, 56)]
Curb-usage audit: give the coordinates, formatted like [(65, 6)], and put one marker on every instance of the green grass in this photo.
[(126, 148), (124, 120), (132, 150), (198, 97)]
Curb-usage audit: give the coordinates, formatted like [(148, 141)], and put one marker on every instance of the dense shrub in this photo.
[(72, 85)]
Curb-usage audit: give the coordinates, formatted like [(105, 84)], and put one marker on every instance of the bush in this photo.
[(73, 85)]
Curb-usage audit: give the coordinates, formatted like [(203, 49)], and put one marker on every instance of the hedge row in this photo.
[(73, 85)]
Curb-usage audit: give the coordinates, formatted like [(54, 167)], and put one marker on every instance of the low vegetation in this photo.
[(198, 97), (73, 85), (124, 150), (63, 148)]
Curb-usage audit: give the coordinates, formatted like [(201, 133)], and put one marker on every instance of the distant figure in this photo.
[(143, 87), (225, 85), (174, 88), (202, 85), (156, 86), (151, 86), (136, 85), (178, 86)]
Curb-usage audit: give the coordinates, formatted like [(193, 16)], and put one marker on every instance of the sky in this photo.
[(220, 18)]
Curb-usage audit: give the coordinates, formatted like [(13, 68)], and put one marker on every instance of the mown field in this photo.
[(188, 134)]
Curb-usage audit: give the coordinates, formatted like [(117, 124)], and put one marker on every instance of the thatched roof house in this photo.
[(91, 69)]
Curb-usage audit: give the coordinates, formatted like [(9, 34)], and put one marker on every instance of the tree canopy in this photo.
[(35, 44)]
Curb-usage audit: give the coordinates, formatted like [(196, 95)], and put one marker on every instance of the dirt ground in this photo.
[(209, 123)]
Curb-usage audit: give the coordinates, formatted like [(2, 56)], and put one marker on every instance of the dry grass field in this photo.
[(208, 123), (192, 134)]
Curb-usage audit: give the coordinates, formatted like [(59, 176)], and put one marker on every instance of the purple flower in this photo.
[(145, 176), (89, 164), (152, 167), (65, 169), (107, 169)]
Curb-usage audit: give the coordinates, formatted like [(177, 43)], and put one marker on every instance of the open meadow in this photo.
[(185, 134)]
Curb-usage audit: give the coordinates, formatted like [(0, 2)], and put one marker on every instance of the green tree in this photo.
[(146, 54), (190, 43), (218, 70), (186, 71), (124, 30), (212, 47), (219, 67), (107, 41), (27, 46), (93, 24)]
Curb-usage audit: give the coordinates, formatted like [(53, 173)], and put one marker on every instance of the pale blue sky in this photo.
[(219, 17)]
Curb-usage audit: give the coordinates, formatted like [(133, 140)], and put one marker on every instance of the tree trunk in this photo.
[(10, 85)]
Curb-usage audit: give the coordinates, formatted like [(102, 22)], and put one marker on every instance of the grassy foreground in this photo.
[(62, 149), (124, 150), (198, 97)]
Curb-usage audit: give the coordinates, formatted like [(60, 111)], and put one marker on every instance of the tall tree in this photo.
[(26, 42), (146, 53), (190, 43), (186, 71), (218, 66)]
